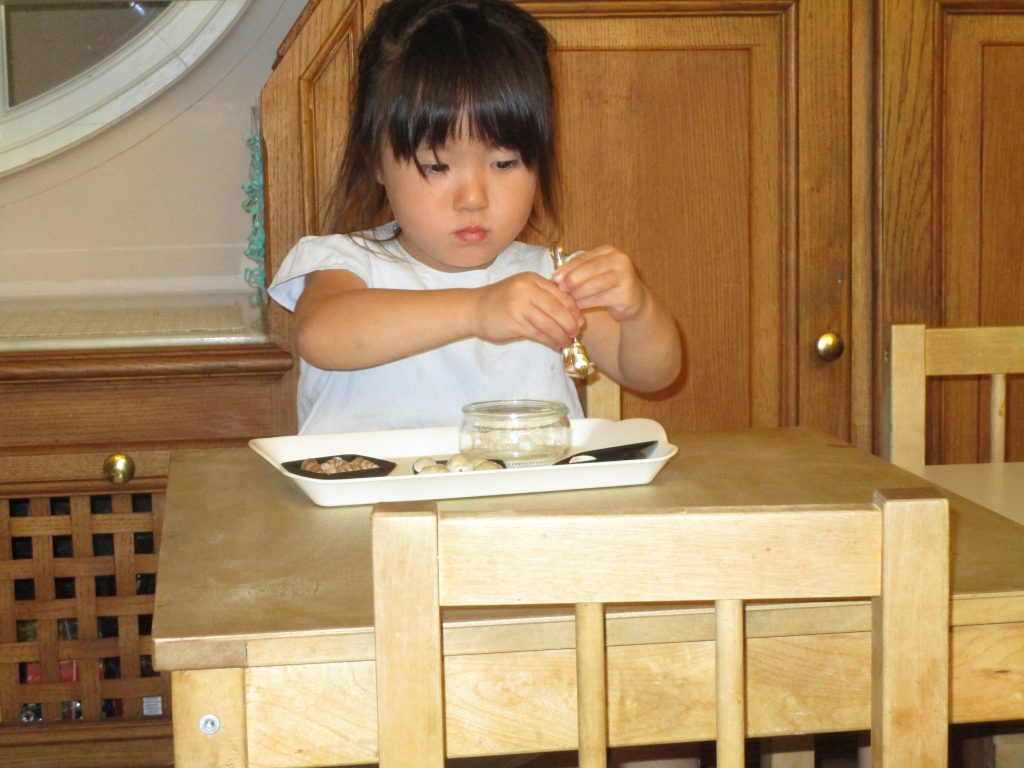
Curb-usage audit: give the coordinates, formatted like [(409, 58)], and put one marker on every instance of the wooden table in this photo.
[(264, 618), (1000, 487)]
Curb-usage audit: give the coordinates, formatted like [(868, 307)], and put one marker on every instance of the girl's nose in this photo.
[(472, 193)]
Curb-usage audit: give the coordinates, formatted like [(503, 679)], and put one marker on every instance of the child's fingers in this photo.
[(557, 320), (596, 284), (532, 308), (603, 277), (555, 340), (597, 290), (588, 265), (552, 302)]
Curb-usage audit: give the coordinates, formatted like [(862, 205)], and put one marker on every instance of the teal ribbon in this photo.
[(256, 249)]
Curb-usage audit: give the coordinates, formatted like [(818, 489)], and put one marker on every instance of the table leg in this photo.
[(787, 752), (208, 711)]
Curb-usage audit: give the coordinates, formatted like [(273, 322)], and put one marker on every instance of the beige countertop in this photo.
[(113, 322)]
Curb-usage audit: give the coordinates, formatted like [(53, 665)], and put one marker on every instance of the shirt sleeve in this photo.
[(311, 254)]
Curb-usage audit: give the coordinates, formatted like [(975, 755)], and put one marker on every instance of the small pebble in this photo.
[(420, 464), (456, 464), (460, 463), (432, 469)]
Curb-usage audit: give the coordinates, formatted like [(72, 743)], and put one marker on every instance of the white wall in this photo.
[(153, 204)]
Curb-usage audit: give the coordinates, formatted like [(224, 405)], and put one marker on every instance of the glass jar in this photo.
[(521, 433)]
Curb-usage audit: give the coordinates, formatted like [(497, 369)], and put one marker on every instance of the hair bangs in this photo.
[(475, 85)]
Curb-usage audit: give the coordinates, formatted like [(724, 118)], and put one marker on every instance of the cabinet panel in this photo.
[(681, 177), (982, 196), (78, 569), (324, 104), (305, 107), (167, 396), (185, 412)]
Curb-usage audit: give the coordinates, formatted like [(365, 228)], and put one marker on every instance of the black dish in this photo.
[(613, 453), (383, 468)]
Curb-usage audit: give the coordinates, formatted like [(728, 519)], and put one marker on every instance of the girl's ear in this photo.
[(377, 169)]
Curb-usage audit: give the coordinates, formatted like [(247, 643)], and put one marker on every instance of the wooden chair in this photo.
[(895, 550), (916, 353), (603, 398)]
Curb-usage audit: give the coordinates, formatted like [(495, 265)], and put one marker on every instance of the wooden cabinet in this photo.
[(723, 145), (78, 570), (78, 554)]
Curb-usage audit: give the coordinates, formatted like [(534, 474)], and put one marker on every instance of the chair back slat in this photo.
[(591, 686), (663, 556), (730, 684), (974, 351), (603, 398), (997, 418)]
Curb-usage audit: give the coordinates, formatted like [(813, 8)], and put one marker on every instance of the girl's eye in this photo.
[(505, 165), (433, 168)]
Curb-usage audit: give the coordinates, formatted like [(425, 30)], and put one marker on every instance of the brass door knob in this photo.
[(830, 346), (118, 468)]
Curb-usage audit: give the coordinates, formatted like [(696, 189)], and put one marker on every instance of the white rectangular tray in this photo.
[(404, 446)]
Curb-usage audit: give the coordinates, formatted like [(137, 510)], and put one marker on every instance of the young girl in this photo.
[(402, 323)]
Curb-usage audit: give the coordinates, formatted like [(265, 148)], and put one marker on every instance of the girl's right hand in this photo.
[(526, 306)]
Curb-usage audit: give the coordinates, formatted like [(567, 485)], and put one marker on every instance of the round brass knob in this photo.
[(830, 346), (118, 468)]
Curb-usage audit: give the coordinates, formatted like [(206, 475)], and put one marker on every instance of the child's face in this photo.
[(472, 201)]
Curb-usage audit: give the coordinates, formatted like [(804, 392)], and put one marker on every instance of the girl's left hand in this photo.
[(603, 277)]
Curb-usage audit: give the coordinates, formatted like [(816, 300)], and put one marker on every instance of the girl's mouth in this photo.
[(471, 235)]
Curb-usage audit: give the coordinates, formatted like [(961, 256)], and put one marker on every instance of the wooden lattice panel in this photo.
[(77, 579)]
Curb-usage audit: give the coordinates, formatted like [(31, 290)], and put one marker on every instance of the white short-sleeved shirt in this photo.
[(430, 388)]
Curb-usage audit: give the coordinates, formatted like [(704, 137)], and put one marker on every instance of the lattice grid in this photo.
[(77, 579)]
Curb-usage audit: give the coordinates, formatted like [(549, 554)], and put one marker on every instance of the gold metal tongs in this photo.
[(574, 357)]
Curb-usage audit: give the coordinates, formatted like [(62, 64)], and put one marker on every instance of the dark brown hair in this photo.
[(426, 66)]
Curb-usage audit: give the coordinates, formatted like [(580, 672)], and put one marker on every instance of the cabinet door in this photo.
[(720, 145), (305, 109), (78, 571), (952, 194)]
